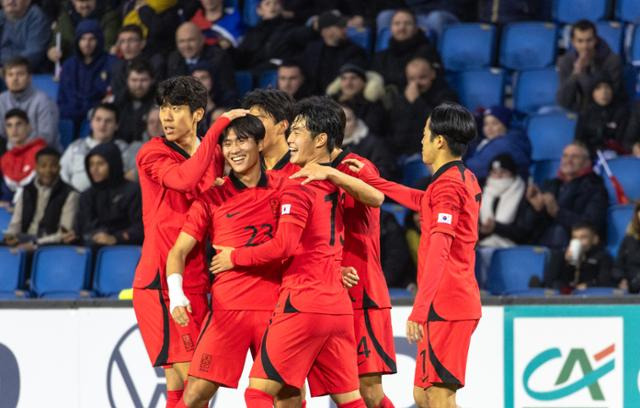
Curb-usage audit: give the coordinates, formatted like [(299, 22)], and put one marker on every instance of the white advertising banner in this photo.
[(94, 357)]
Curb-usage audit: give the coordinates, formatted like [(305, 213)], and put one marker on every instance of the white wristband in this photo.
[(176, 295)]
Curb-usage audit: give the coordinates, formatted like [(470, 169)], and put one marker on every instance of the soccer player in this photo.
[(447, 307), (274, 108), (311, 332), (173, 171)]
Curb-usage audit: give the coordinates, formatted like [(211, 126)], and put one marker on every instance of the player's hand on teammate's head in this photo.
[(235, 113), (222, 261), (313, 171), (350, 276), (415, 332), (355, 165)]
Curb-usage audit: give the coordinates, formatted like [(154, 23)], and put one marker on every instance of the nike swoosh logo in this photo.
[(229, 215)]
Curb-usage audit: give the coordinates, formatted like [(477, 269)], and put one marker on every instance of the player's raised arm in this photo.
[(355, 187)]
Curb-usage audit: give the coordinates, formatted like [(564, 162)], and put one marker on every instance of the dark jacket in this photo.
[(506, 11), (391, 62), (594, 270), (375, 150), (113, 206), (602, 127), (407, 119), (322, 63), (119, 69), (632, 132), (276, 38), (394, 252), (82, 86), (50, 222), (519, 231), (627, 264), (220, 64), (372, 113), (514, 142), (162, 26), (574, 90), (133, 115)]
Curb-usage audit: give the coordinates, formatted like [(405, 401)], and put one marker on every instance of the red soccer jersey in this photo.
[(311, 280), (283, 167), (450, 206), (362, 243), (170, 180), (237, 216)]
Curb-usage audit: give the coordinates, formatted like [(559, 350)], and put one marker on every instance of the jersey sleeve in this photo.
[(183, 176), (446, 203), (405, 196), (295, 205), (198, 220), (281, 247)]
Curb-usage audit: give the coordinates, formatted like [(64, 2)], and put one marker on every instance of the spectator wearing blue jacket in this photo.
[(24, 32), (85, 77), (499, 139)]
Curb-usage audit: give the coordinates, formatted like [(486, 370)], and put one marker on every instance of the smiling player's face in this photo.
[(301, 144), (178, 121), (242, 153)]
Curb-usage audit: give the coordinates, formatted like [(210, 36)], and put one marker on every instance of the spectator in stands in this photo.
[(193, 52), (576, 195), (407, 41), (104, 125), (272, 40), (632, 132), (6, 195), (394, 253), (602, 123), (589, 59), (110, 211), (46, 210), (212, 111), (129, 47), (220, 25), (626, 268), (85, 76), (586, 261), (499, 137), (158, 20), (72, 13), (359, 139), (363, 91), (24, 32), (42, 112), (506, 11), (440, 13), (153, 128), (291, 80), (136, 102), (424, 91), (19, 162), (323, 58)]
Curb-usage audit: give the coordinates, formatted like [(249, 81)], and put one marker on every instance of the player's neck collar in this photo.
[(447, 166), (177, 148), (239, 185), (283, 161), (339, 158)]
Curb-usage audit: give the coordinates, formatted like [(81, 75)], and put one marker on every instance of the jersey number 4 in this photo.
[(363, 349)]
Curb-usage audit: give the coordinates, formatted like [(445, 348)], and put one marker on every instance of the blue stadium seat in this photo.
[(618, 218), (612, 32), (383, 19), (570, 11), (268, 79), (481, 88), (12, 275), (244, 82), (383, 38), (65, 128), (536, 292), (397, 210), (360, 36), (46, 84), (528, 45), (628, 11), (250, 14), (544, 170), (60, 271), (115, 268), (400, 293), (634, 48), (413, 170), (511, 269), (630, 76), (627, 171), (535, 89), (550, 133), (599, 291), (467, 46), (5, 219)]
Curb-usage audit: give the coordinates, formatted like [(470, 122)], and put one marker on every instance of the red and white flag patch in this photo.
[(444, 218)]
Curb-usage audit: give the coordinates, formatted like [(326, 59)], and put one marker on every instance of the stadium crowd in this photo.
[(68, 165)]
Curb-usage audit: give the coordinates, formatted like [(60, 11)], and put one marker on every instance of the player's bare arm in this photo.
[(179, 305)]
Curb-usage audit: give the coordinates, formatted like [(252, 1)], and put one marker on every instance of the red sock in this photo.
[(173, 398), (386, 403), (257, 399), (359, 403)]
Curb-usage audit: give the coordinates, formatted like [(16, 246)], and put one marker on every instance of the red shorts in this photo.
[(374, 338), (442, 353), (222, 347), (167, 342), (317, 347)]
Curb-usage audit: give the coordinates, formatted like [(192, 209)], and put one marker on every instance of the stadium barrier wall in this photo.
[(538, 356)]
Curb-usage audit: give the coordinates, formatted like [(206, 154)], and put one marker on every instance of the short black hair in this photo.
[(245, 127), (16, 112), (140, 66), (182, 90), (17, 62), (583, 25), (322, 115), (48, 151), (132, 28), (292, 64), (580, 225), (455, 123), (107, 106), (275, 102)]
